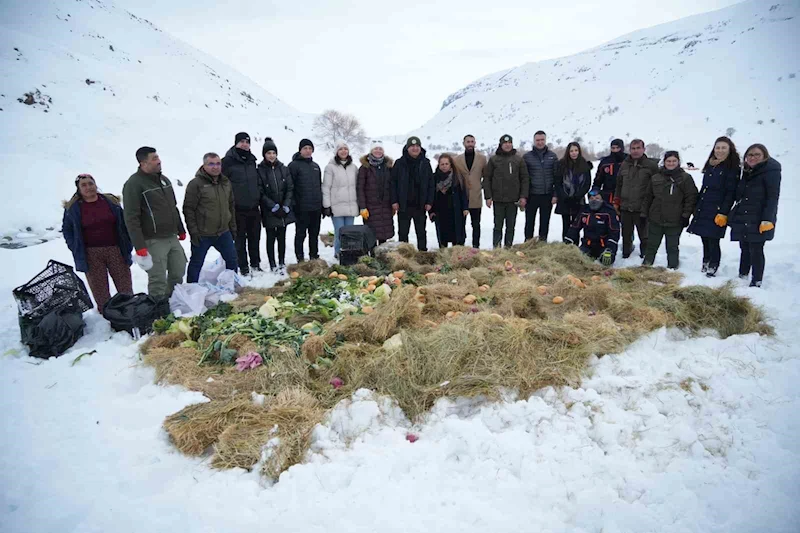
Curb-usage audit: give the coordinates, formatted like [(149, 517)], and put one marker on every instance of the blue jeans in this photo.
[(224, 245), (339, 223)]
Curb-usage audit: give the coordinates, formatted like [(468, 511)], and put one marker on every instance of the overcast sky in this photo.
[(371, 58)]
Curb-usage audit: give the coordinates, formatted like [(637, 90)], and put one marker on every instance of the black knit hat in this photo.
[(241, 136), (618, 142), (269, 144), (305, 142), (413, 141), (506, 139)]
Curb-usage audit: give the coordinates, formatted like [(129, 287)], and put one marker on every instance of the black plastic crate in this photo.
[(53, 288)]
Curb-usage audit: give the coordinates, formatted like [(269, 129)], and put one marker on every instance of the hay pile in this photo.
[(460, 323)]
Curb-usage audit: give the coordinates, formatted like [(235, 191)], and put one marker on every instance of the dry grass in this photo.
[(512, 337), (289, 417), (196, 427)]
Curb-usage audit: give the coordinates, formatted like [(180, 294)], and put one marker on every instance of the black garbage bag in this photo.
[(127, 312), (355, 242), (53, 334)]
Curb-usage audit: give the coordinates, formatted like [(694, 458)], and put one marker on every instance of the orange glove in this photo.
[(365, 214), (142, 252), (765, 226), (721, 221)]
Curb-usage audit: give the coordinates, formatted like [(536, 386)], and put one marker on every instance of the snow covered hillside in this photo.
[(680, 85), (103, 82)]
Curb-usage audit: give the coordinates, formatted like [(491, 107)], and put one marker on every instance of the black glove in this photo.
[(685, 222), (326, 212)]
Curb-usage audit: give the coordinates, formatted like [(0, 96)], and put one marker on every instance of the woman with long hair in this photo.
[(573, 179), (450, 203), (720, 179), (753, 218), (667, 204), (276, 199), (95, 231)]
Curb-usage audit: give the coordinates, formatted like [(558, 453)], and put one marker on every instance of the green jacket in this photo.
[(151, 211), (208, 206), (670, 197), (632, 180), (505, 177)]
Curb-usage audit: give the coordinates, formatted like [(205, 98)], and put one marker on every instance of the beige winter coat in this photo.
[(339, 188), (473, 177)]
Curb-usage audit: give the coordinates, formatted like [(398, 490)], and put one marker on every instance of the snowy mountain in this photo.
[(101, 82), (680, 85)]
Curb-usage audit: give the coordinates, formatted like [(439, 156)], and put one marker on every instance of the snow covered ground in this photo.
[(673, 435)]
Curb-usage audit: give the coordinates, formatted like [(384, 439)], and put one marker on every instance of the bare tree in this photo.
[(334, 127), (653, 150)]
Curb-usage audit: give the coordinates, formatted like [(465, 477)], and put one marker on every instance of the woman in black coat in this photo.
[(720, 179), (276, 199), (450, 203), (753, 218), (573, 179)]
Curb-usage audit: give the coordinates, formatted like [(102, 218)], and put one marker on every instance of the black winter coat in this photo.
[(756, 201), (241, 171), (606, 177), (374, 192), (307, 179), (276, 187), (599, 227), (541, 170), (401, 177), (448, 211), (572, 204), (716, 198)]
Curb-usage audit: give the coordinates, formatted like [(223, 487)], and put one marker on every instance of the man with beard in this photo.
[(412, 191), (470, 165), (606, 178), (600, 224)]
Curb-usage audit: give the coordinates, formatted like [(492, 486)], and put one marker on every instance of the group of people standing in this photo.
[(231, 198)]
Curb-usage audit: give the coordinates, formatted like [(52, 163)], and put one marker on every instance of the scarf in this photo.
[(571, 182), (714, 162), (443, 184), (375, 161)]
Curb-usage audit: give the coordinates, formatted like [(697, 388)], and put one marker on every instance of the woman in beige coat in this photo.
[(339, 196)]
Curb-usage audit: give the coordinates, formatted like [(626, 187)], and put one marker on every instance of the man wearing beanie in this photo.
[(541, 164), (505, 183), (307, 178), (606, 178), (470, 164), (239, 166), (412, 191)]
